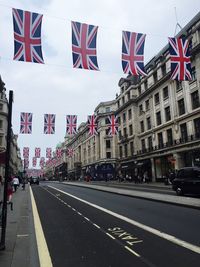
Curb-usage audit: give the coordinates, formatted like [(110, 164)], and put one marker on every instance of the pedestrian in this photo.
[(9, 191), (15, 183), (145, 177)]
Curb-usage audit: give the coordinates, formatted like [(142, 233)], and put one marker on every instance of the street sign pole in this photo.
[(7, 174)]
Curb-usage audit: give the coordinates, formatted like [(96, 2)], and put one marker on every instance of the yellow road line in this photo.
[(43, 252)]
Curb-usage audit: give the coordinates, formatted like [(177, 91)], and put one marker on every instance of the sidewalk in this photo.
[(115, 187), (21, 249)]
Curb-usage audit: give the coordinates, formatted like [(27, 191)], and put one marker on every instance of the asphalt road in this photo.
[(85, 227)]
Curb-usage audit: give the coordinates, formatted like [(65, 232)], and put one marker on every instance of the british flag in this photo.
[(133, 53), (26, 163), (26, 152), (92, 124), (37, 152), (48, 152), (42, 162), (49, 123), (26, 123), (84, 46), (27, 36), (58, 152), (113, 126), (71, 121), (70, 152), (180, 59), (34, 161)]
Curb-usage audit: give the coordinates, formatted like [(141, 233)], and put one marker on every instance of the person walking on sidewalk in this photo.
[(15, 183)]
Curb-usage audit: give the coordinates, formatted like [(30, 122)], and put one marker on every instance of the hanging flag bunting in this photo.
[(92, 124), (48, 152), (84, 46), (42, 161), (180, 59), (37, 152), (133, 53), (71, 121), (26, 163), (26, 152), (27, 36), (59, 152), (113, 127), (70, 152), (34, 161), (26, 123), (49, 123)]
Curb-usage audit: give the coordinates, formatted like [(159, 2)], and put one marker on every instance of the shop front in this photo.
[(163, 166)]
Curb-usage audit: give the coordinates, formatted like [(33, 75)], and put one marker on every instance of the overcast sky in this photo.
[(56, 87)]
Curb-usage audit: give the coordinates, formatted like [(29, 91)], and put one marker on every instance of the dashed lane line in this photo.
[(149, 229), (110, 236), (133, 252), (43, 252)]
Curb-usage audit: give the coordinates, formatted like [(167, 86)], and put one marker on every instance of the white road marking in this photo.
[(96, 225), (43, 252), (80, 213), (132, 251), (110, 236), (87, 219), (73, 209), (24, 235), (149, 229)]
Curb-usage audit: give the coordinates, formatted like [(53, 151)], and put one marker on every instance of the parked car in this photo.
[(187, 181), (34, 180)]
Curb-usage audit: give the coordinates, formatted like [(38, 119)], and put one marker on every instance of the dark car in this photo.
[(187, 181), (34, 180)]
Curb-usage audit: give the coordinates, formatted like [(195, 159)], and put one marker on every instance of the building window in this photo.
[(119, 120), (108, 155), (183, 129), (129, 114), (145, 85), (107, 131), (158, 118), (108, 109), (147, 107), (128, 96), (132, 148), (1, 140), (124, 117), (143, 144), (140, 109), (108, 144), (120, 152), (142, 126), (195, 100), (125, 132), (139, 90), (163, 68), (130, 129), (178, 86), (156, 99), (120, 134), (118, 104), (1, 124), (193, 73), (160, 140), (165, 92), (169, 137), (107, 121), (123, 101), (150, 143), (148, 123), (125, 151), (181, 107), (197, 127), (1, 106), (155, 77), (167, 114)]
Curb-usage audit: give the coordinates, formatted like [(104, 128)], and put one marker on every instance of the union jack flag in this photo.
[(26, 152), (26, 163), (37, 152), (48, 152), (133, 53), (113, 127), (180, 59), (92, 124), (49, 123), (34, 162), (27, 36), (26, 123), (84, 46), (71, 124), (58, 152), (70, 152), (42, 161)]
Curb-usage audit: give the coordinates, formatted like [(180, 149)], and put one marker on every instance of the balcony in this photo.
[(172, 143)]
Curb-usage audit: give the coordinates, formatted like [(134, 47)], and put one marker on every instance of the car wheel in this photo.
[(179, 191)]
